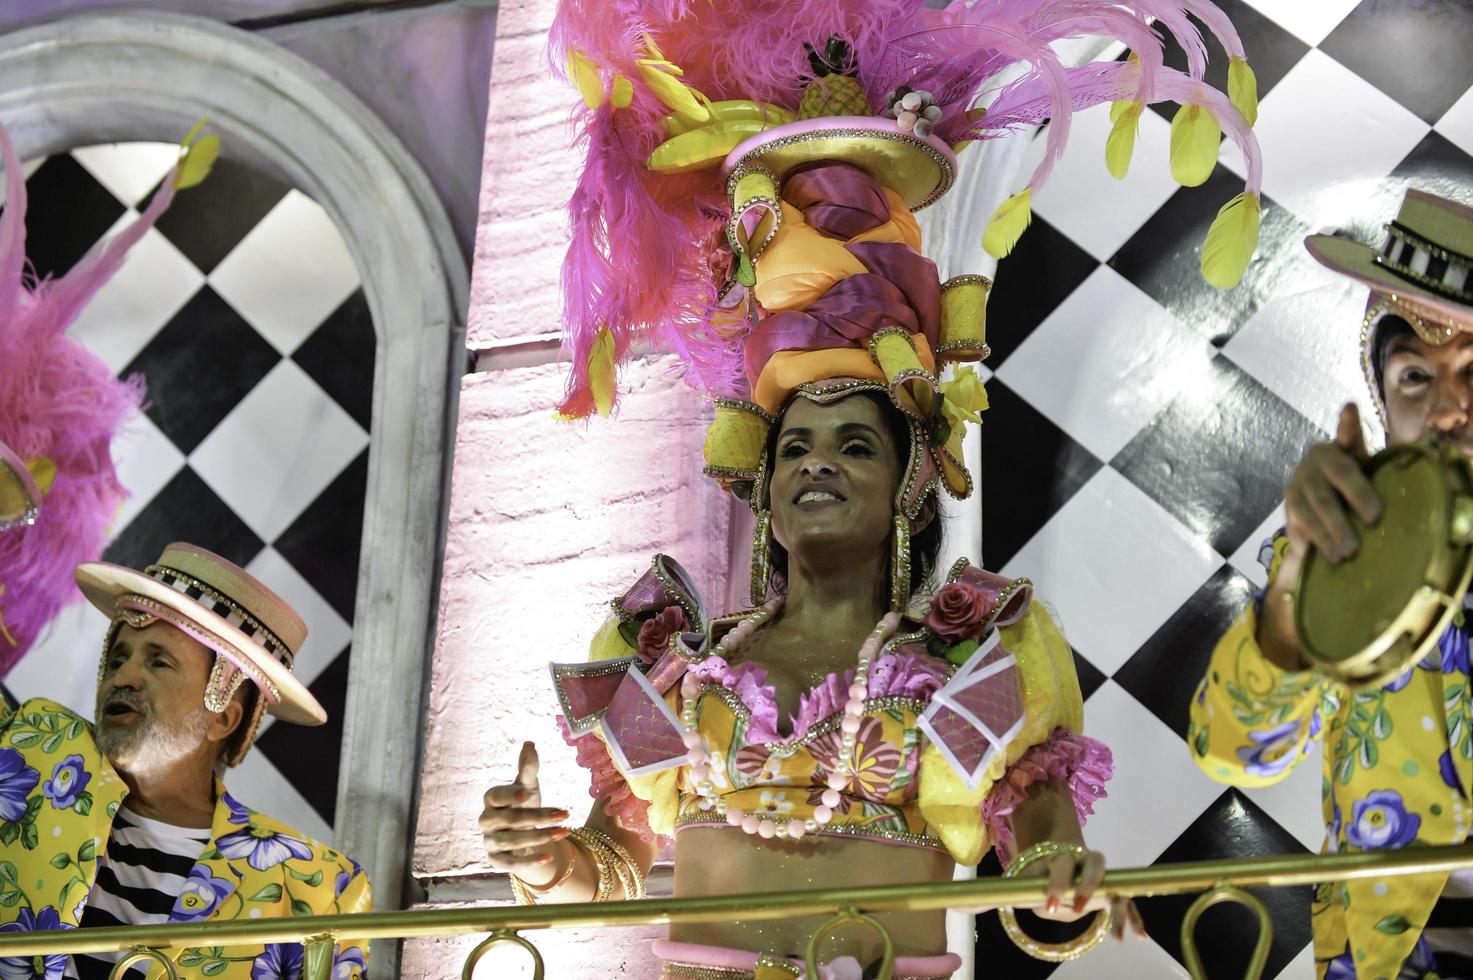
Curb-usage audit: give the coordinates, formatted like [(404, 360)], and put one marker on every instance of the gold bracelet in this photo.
[(1051, 952), (526, 894), (623, 865)]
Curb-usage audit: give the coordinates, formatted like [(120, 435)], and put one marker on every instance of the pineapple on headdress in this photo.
[(833, 89)]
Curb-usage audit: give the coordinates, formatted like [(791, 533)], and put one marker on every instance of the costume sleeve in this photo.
[(1252, 722), (1051, 746), (356, 895), (645, 805)]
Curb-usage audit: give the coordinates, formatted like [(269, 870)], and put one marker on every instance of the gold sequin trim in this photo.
[(942, 163), (705, 818), (675, 970), (218, 596), (1426, 280), (966, 278)]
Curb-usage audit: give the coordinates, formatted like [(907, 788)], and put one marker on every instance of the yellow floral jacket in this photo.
[(1398, 762), (58, 797)]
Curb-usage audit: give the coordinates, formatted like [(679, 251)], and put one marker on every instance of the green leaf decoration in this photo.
[(8, 874), (191, 957), (1381, 727), (52, 741), (271, 893), (629, 632), (83, 805), (960, 652), (33, 807), (76, 728), (87, 851), (10, 834), (1393, 925), (214, 968), (300, 907), (61, 861), (28, 838), (10, 899), (1200, 743), (24, 740)]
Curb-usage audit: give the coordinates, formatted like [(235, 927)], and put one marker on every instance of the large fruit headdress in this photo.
[(752, 168)]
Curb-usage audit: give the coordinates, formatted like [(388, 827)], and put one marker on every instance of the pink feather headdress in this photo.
[(650, 259), (60, 407)]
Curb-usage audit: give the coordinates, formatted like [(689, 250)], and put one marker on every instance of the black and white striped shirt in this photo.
[(138, 880)]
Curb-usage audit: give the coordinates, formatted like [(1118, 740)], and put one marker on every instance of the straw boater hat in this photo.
[(1423, 273), (252, 629), (20, 498)]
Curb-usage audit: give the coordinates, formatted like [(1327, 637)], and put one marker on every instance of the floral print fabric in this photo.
[(58, 797), (1396, 763)]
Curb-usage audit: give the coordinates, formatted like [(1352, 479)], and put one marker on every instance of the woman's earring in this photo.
[(761, 557), (900, 566)]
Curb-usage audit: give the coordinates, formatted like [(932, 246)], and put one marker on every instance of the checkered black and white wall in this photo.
[(242, 311), (1143, 424)]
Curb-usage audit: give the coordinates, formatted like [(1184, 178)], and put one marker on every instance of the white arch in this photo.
[(99, 79)]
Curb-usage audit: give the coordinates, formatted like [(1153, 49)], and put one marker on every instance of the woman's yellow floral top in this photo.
[(1398, 762), (58, 797)]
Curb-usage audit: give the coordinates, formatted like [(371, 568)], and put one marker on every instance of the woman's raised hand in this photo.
[(520, 834)]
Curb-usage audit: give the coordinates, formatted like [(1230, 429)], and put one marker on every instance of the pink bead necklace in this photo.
[(698, 752)]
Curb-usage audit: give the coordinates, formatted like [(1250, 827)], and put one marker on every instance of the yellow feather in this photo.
[(1231, 241), (601, 372), (198, 159), (1119, 107), (584, 73), (1194, 142), (1121, 142), (43, 471), (623, 92), (1008, 223), (1243, 89)]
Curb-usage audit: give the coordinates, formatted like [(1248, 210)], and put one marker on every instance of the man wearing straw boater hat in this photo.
[(126, 821), (1398, 757)]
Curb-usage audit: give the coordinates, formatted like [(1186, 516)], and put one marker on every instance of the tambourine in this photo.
[(20, 497), (1366, 620)]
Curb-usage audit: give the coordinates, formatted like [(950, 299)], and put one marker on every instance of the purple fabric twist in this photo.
[(900, 287)]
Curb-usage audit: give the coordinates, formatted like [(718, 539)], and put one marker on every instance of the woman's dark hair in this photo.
[(1388, 328), (925, 545)]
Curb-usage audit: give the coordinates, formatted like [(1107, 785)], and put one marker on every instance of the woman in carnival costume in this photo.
[(747, 202), (60, 407)]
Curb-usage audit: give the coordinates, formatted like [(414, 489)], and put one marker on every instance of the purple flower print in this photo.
[(201, 895), (280, 961), (67, 781), (33, 967), (263, 849), (16, 782), (1381, 821), (1273, 750)]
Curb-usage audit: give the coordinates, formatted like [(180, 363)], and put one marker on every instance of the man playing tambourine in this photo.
[(1398, 757)]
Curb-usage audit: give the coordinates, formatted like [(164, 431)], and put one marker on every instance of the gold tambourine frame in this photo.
[(1368, 619)]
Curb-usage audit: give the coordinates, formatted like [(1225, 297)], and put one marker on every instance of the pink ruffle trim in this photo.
[(915, 675), (1081, 763), (631, 812)]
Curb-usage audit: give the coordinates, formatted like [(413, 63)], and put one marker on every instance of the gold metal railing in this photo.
[(1221, 880)]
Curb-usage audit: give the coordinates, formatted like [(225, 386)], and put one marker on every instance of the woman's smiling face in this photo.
[(834, 474)]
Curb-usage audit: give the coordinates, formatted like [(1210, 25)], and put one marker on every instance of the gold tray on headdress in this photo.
[(1365, 621)]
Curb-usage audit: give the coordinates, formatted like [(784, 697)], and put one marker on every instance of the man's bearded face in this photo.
[(1429, 390), (150, 700)]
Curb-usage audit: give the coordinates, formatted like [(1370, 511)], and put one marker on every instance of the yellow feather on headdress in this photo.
[(1231, 241), (1008, 223), (1121, 143), (1243, 89), (1195, 136)]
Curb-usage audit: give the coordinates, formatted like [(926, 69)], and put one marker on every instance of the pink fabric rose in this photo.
[(958, 612), (655, 632)]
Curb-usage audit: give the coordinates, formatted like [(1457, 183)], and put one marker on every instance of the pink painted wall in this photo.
[(548, 520)]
